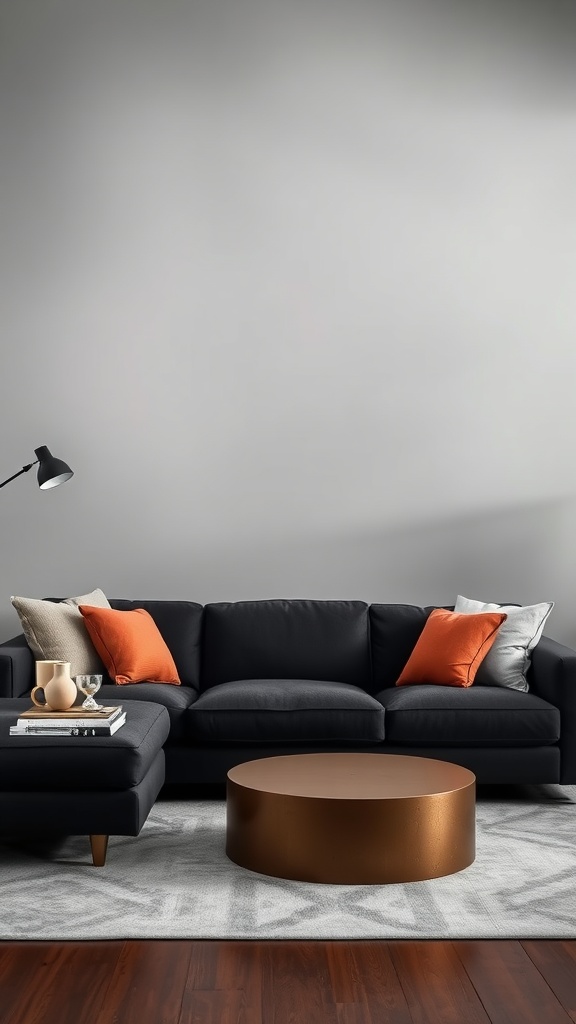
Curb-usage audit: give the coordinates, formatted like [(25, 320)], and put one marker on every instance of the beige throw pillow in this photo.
[(56, 632)]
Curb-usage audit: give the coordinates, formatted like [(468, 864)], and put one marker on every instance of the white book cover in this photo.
[(26, 729), (69, 722)]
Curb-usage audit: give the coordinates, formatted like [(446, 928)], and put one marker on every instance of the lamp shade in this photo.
[(51, 471)]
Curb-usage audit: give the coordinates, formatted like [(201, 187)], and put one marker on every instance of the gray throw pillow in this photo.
[(508, 660), (57, 632)]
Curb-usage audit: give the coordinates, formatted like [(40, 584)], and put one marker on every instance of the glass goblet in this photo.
[(89, 685)]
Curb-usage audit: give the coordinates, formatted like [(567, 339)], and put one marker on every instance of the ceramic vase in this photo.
[(59, 692)]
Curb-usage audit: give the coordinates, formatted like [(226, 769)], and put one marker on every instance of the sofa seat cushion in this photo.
[(81, 763), (176, 700), (286, 710), (484, 716)]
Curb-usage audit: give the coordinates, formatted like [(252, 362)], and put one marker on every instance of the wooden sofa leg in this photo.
[(99, 846)]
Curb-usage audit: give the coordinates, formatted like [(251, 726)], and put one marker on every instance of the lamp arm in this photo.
[(19, 473)]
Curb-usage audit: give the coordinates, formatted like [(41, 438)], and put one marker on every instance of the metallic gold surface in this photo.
[(351, 818)]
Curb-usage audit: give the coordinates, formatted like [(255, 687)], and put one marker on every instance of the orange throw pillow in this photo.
[(451, 648), (131, 645)]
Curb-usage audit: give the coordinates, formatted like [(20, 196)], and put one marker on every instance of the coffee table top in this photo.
[(351, 776)]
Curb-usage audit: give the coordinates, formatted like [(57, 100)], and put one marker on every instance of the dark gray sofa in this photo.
[(294, 676)]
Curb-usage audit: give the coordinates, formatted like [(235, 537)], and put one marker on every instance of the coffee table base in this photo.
[(351, 841)]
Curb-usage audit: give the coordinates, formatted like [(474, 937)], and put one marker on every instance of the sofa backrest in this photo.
[(346, 641), (180, 623), (394, 630), (286, 639)]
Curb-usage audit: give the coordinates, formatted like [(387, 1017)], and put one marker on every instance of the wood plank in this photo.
[(504, 976), (224, 982), (296, 983), (362, 973), (239, 967), (19, 962), (202, 965), (193, 982), (225, 964), (436, 985), (147, 983), (556, 962), (63, 982), (360, 1013), (216, 1007)]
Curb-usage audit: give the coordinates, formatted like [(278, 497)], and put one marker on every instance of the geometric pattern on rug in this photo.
[(175, 881)]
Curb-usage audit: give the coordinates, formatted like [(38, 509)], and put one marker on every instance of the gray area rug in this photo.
[(175, 881)]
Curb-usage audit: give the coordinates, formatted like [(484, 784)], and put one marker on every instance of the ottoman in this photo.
[(82, 785)]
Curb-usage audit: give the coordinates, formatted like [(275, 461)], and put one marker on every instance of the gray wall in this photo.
[(291, 286)]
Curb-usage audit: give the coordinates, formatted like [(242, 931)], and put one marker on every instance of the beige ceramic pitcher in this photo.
[(59, 692)]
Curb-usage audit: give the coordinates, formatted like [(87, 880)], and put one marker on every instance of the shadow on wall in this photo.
[(525, 554)]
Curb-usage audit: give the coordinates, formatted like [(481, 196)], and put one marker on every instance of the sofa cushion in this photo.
[(286, 640), (484, 716), (451, 648), (56, 632), (394, 630), (180, 623), (286, 710), (508, 660), (176, 700), (130, 645), (81, 763)]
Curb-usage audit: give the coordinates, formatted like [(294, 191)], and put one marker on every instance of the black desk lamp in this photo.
[(51, 471)]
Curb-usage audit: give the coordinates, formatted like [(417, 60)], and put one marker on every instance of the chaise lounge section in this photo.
[(97, 786)]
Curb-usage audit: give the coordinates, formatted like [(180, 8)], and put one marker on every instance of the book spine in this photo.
[(95, 730), (64, 723)]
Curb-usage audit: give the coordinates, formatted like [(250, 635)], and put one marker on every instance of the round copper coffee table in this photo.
[(351, 818)]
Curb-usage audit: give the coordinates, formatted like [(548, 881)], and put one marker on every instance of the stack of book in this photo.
[(74, 722)]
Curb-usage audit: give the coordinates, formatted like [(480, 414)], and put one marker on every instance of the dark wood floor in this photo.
[(183, 982)]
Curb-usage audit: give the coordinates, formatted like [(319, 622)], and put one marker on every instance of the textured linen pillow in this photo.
[(56, 631), (450, 648), (130, 645), (96, 597), (508, 660)]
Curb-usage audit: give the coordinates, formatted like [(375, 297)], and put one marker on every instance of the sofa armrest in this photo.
[(553, 677), (16, 667)]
